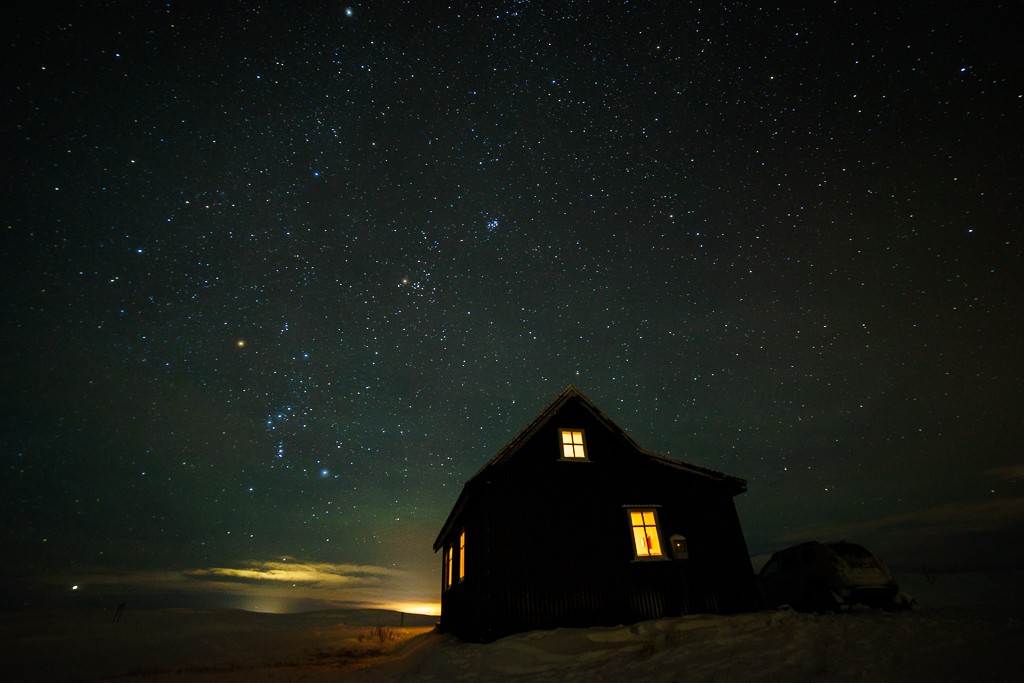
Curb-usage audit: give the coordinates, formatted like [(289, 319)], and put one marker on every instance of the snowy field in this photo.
[(966, 628)]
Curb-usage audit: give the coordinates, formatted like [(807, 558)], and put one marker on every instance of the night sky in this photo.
[(278, 277)]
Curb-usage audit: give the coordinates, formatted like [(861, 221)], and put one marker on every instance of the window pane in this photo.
[(572, 444), (653, 544), (636, 518), (462, 556), (640, 541)]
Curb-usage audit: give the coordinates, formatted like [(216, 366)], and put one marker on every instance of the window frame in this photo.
[(446, 567), (462, 556), (581, 446), (656, 526), (453, 574)]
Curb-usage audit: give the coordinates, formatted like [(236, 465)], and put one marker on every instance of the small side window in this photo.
[(446, 572), (462, 555), (453, 563)]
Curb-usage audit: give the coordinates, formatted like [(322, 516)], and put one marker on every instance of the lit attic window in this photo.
[(572, 445)]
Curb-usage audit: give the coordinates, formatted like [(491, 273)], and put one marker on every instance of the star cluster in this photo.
[(279, 277)]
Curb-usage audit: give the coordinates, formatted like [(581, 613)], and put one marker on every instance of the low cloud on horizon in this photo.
[(961, 517), (290, 570), (286, 584), (966, 535), (1009, 472)]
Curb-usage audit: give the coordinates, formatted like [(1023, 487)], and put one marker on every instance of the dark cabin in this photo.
[(574, 524)]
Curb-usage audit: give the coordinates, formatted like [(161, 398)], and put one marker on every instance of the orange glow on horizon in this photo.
[(428, 609)]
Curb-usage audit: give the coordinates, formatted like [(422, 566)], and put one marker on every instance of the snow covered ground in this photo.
[(967, 627)]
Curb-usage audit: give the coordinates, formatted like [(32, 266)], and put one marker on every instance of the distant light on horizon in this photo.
[(269, 603), (427, 609)]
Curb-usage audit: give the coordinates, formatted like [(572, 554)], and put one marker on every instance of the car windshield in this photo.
[(850, 551)]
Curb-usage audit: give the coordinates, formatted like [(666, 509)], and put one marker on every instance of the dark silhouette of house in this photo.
[(574, 524)]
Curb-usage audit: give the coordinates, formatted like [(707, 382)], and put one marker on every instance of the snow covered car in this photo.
[(825, 576)]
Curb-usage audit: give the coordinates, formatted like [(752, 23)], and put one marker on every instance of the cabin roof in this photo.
[(735, 485)]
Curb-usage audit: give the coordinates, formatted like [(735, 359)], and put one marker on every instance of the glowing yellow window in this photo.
[(447, 566), (462, 555), (645, 533), (572, 445)]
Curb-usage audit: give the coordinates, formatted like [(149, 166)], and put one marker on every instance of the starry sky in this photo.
[(278, 277)]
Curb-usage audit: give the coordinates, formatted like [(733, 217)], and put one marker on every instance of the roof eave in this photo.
[(453, 516)]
